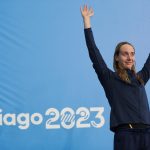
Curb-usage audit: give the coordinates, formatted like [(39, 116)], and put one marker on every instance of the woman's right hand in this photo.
[(86, 13)]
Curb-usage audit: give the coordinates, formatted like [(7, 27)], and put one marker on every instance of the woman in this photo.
[(125, 91)]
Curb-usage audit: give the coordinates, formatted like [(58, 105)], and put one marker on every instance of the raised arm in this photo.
[(98, 63), (145, 71)]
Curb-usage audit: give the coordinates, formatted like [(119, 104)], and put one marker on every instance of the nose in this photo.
[(129, 57)]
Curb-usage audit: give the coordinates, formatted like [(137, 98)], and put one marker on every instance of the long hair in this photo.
[(120, 70)]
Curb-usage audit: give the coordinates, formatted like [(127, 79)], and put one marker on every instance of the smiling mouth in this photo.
[(128, 63)]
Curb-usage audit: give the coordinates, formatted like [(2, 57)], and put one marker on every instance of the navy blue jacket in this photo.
[(128, 101)]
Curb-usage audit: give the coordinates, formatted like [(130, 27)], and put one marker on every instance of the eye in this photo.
[(133, 53), (124, 53)]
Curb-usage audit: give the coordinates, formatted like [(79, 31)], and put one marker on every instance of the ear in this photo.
[(116, 58)]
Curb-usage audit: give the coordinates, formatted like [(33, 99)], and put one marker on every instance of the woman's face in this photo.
[(126, 57)]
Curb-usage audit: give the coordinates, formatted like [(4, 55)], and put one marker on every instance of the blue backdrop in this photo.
[(50, 96)]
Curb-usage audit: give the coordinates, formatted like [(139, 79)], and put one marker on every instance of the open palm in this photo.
[(86, 12)]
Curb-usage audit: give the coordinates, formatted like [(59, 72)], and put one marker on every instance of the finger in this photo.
[(81, 9), (91, 9), (86, 7)]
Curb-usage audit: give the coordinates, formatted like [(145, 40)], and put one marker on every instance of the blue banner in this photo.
[(50, 96)]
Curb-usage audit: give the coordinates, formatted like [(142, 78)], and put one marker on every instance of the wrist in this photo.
[(87, 23)]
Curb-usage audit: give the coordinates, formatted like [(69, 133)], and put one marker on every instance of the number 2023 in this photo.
[(67, 118)]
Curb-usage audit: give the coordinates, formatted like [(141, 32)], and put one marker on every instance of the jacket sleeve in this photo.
[(101, 69), (145, 71)]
